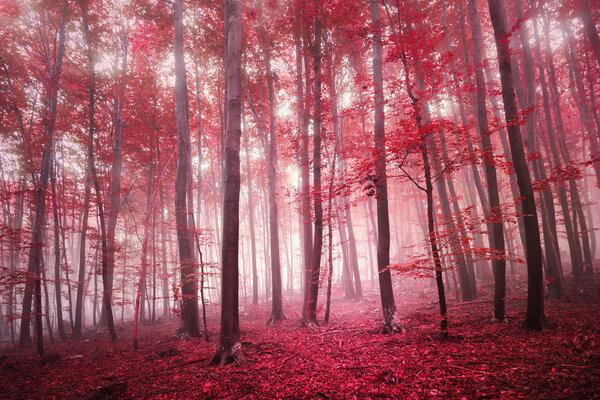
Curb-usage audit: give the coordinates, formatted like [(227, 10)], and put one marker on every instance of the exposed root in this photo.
[(274, 319), (392, 327), (312, 325), (224, 356)]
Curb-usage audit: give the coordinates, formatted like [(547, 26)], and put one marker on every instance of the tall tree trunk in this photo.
[(330, 237), (590, 27), (163, 240), (305, 207), (230, 348), (528, 107), (251, 218), (494, 215), (52, 77), (535, 289), (106, 296), (586, 114), (277, 300), (47, 302), (311, 317), (467, 283), (114, 196), (303, 140), (57, 288), (346, 273), (556, 283), (189, 281), (386, 291)]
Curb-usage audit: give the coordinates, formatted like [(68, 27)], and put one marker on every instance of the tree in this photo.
[(315, 268), (388, 304), (189, 279), (230, 348), (277, 301), (535, 290), (53, 69), (495, 213), (106, 295)]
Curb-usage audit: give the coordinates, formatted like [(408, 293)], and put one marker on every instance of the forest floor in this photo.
[(346, 358)]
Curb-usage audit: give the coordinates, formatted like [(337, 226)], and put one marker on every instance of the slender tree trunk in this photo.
[(47, 304), (576, 82), (277, 300), (535, 289), (189, 282), (527, 104), (106, 296), (466, 284), (311, 317), (330, 237), (346, 273), (494, 215), (230, 348), (114, 196), (305, 208), (57, 287), (590, 28), (163, 240), (556, 283), (386, 291), (53, 73)]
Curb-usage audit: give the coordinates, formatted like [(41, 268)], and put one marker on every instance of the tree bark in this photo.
[(107, 286), (305, 207), (311, 317), (535, 290), (494, 215), (277, 300), (251, 218), (189, 281), (53, 73), (57, 287), (590, 28), (386, 291), (230, 348)]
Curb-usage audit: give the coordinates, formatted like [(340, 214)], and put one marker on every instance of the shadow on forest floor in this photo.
[(343, 359)]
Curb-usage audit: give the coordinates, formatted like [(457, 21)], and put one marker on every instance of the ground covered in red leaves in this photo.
[(345, 359)]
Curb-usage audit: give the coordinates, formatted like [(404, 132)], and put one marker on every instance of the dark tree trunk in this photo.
[(277, 300), (330, 237), (230, 348), (107, 286), (556, 283), (189, 281), (535, 289), (57, 287), (311, 317), (53, 73), (590, 27), (494, 214), (527, 103), (386, 291)]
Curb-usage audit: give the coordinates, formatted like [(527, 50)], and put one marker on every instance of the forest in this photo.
[(299, 199)]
